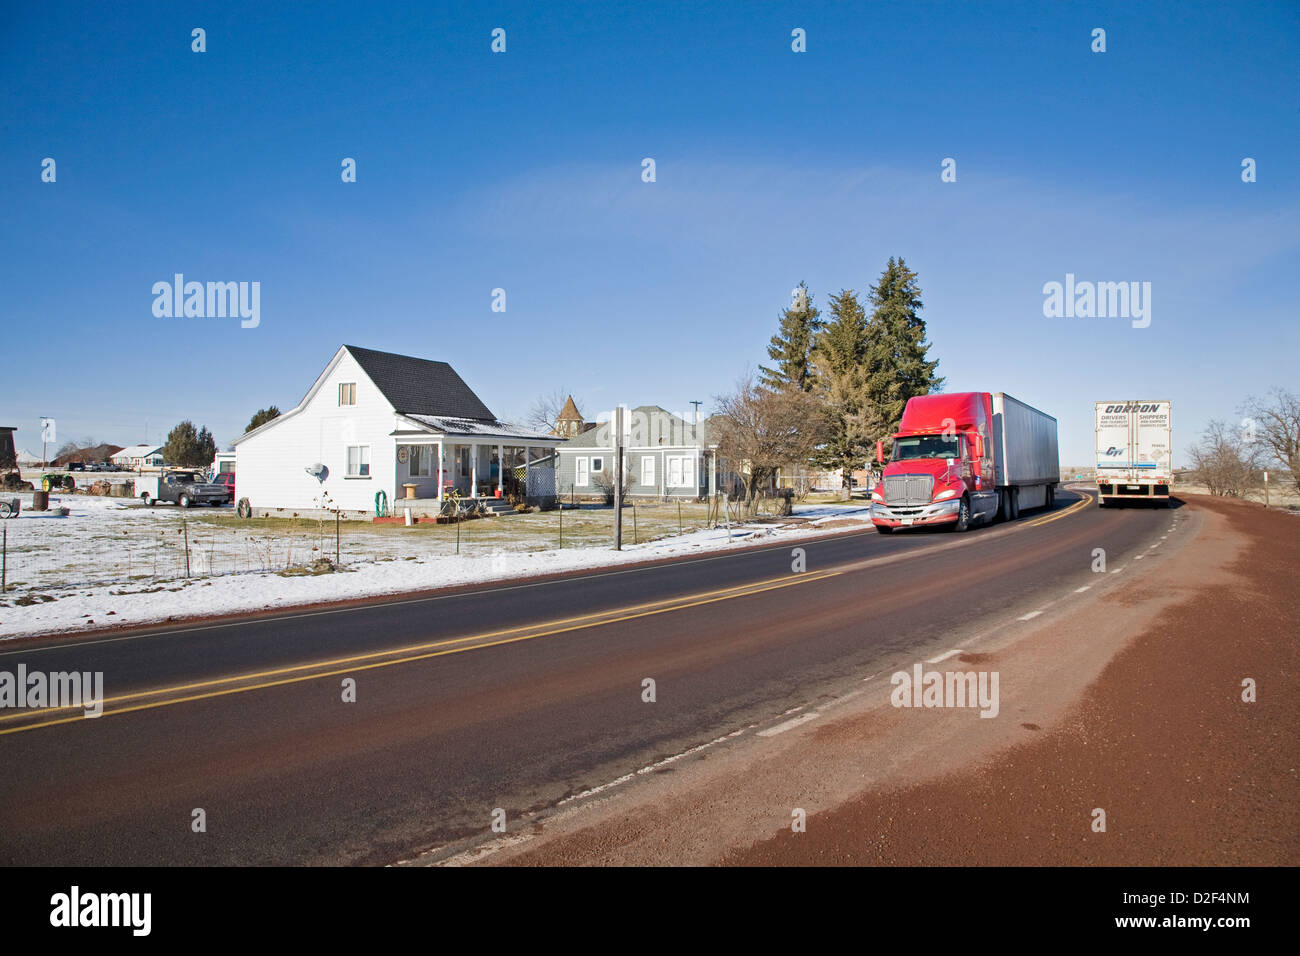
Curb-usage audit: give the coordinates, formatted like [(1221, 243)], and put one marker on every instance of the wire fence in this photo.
[(47, 552), (106, 542)]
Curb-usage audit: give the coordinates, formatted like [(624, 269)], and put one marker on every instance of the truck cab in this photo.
[(964, 458), (940, 467)]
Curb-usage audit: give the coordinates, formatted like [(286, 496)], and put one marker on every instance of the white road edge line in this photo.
[(1030, 616), (1082, 589), (943, 657), (790, 724)]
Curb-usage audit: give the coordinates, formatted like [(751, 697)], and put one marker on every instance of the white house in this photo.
[(139, 456), (375, 422)]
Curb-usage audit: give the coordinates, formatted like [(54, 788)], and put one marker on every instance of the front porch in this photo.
[(498, 475)]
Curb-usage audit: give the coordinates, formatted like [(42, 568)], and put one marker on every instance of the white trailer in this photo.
[(1135, 441), (1026, 459)]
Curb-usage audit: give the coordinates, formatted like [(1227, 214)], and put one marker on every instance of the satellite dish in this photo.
[(317, 471)]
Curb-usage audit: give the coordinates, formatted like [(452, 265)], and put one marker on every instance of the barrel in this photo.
[(40, 500)]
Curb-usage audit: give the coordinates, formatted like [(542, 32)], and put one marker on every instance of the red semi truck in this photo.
[(963, 458)]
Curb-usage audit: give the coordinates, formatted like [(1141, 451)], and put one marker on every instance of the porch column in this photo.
[(438, 472), (473, 471), (501, 469)]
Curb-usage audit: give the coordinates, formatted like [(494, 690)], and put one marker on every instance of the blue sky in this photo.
[(522, 171)]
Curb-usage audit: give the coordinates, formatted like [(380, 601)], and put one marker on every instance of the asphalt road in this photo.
[(505, 696)]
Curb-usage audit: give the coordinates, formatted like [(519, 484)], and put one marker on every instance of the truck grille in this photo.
[(909, 489)]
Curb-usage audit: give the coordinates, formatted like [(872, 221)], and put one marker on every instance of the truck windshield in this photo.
[(926, 446)]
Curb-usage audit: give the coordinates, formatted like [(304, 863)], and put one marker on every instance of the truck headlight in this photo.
[(944, 494)]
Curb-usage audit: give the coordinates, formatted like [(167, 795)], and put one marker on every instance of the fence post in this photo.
[(679, 517), (336, 537), (4, 560), (635, 538), (561, 525), (185, 531)]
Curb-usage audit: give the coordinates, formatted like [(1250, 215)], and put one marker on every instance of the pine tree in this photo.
[(187, 447), (840, 353), (791, 348), (261, 417), (897, 368)]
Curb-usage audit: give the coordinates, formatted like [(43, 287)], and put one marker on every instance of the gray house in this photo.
[(665, 457)]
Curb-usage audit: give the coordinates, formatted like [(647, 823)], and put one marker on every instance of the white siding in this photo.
[(271, 465)]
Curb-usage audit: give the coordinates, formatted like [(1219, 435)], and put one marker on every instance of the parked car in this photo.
[(226, 478), (185, 488), (76, 466)]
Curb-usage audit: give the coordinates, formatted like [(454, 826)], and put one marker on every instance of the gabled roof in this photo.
[(138, 451), (675, 430), (415, 386)]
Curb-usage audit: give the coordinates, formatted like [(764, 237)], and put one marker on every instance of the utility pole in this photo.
[(697, 411), (618, 477), (1265, 489)]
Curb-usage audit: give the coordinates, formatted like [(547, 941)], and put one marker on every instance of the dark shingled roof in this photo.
[(417, 386)]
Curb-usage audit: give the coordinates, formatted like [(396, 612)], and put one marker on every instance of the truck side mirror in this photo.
[(978, 440), (880, 452)]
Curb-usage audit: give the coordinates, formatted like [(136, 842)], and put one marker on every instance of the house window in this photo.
[(598, 464), (358, 461), (648, 470), (347, 393), (421, 461), (582, 473), (681, 471)]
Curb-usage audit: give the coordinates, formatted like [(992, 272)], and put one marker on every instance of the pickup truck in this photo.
[(184, 488)]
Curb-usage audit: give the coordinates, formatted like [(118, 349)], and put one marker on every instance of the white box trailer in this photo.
[(1025, 453), (1135, 442)]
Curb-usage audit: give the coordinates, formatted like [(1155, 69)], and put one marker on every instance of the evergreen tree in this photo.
[(897, 368), (791, 348), (261, 417), (188, 447), (840, 354)]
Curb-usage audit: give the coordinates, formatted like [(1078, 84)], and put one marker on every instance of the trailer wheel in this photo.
[(1004, 504), (148, 501), (1015, 503), (244, 509), (963, 516)]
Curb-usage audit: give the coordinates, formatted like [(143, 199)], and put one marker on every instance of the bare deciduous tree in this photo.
[(1275, 423), (545, 411), (759, 430), (1225, 462)]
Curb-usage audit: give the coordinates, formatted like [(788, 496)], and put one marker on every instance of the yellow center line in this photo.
[(1081, 503), (556, 627), (431, 649)]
